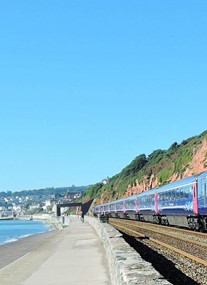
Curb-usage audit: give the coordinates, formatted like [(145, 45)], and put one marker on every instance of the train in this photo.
[(182, 203)]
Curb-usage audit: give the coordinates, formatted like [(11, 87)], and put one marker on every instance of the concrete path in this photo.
[(73, 257)]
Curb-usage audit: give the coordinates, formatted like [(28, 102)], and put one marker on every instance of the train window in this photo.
[(166, 196), (169, 195), (186, 192), (142, 200), (190, 193), (173, 194), (202, 193), (112, 207), (177, 193), (146, 201), (181, 193), (119, 206), (130, 204), (162, 196)]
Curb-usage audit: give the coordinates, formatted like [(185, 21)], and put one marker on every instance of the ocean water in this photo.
[(12, 230)]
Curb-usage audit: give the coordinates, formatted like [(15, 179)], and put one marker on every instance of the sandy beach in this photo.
[(19, 259)]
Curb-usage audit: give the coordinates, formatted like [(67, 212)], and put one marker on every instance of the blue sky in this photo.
[(86, 86)]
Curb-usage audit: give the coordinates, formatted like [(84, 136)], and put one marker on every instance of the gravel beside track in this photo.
[(176, 268), (177, 232), (193, 249), (193, 270)]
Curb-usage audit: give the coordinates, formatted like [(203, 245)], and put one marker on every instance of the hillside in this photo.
[(44, 191), (160, 167)]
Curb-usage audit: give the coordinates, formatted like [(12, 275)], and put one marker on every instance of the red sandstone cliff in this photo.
[(197, 165)]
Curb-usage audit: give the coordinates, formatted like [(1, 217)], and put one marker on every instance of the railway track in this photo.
[(188, 250), (200, 236)]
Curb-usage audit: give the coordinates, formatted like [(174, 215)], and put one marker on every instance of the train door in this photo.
[(136, 205), (124, 207), (202, 196), (195, 197), (204, 193), (156, 202)]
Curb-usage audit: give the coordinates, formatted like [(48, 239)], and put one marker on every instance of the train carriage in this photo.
[(175, 202), (131, 207), (180, 203), (146, 205), (202, 199), (202, 193), (120, 208), (113, 209)]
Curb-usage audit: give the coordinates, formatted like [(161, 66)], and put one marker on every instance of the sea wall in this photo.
[(125, 265), (54, 221)]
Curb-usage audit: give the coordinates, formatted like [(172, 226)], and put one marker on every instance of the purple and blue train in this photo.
[(182, 203)]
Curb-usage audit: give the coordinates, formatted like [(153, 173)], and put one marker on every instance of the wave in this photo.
[(12, 231), (13, 239), (9, 240)]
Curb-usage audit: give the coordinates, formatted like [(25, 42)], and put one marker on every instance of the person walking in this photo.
[(82, 216)]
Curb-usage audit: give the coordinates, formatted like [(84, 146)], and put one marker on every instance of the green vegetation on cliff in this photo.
[(155, 169)]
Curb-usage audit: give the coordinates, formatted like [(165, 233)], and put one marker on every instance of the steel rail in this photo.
[(181, 252), (194, 258), (171, 236), (132, 231), (164, 227)]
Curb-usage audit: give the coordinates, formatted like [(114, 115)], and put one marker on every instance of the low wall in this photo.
[(125, 265)]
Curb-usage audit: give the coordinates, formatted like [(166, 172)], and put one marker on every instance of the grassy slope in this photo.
[(156, 169)]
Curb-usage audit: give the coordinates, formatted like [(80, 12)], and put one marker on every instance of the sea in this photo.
[(12, 230)]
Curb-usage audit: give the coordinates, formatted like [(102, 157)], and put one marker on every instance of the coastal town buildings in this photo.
[(14, 206)]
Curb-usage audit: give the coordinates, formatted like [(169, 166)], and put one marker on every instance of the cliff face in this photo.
[(195, 166), (160, 167), (199, 159)]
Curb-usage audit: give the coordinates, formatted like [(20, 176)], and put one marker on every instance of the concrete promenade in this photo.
[(74, 256)]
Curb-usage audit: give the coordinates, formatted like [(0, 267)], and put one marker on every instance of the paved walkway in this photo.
[(73, 257)]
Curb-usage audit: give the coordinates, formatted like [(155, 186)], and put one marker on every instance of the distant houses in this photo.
[(31, 204)]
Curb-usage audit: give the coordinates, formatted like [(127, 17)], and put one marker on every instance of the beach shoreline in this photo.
[(22, 258), (12, 251), (19, 259), (13, 230)]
